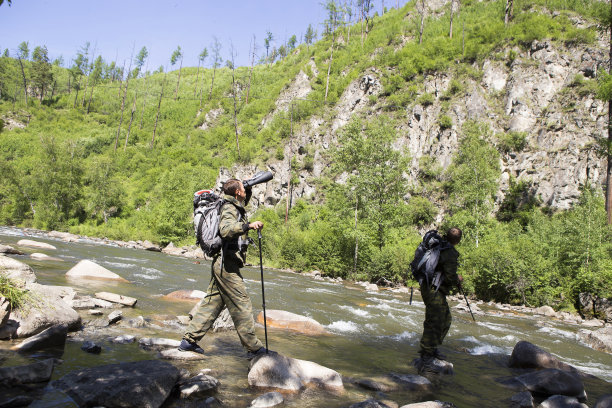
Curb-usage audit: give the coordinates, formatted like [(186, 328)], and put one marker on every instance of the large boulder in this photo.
[(13, 269), (201, 383), (600, 339), (37, 256), (281, 319), (54, 336), (91, 270), (137, 384), (35, 244), (528, 355), (7, 249), (42, 309), (274, 370), (29, 374), (552, 381)]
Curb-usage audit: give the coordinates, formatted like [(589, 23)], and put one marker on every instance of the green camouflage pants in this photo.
[(437, 320), (226, 288)]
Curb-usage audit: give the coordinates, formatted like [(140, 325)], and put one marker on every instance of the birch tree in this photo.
[(201, 59), (216, 55), (176, 56)]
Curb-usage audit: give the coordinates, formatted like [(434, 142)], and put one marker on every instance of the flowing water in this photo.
[(372, 334)]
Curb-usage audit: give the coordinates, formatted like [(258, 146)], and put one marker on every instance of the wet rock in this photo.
[(281, 319), (441, 367), (270, 399), (600, 339), (91, 347), (54, 336), (43, 257), (593, 323), (103, 303), (370, 403), (95, 312), (38, 372), (545, 311), (124, 339), (521, 400), (115, 316), (114, 298), (90, 270), (277, 371), (137, 322), (19, 401), (63, 235), (7, 249), (605, 401), (224, 322), (35, 244), (185, 295), (5, 310), (13, 269), (528, 355), (198, 385), (149, 246), (561, 401), (82, 302), (176, 354), (430, 404), (378, 384), (158, 343), (412, 382), (552, 381), (44, 308), (134, 384)]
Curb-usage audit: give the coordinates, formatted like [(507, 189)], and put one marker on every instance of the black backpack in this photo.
[(206, 216), (426, 258)]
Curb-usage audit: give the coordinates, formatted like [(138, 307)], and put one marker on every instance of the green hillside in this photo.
[(67, 162)]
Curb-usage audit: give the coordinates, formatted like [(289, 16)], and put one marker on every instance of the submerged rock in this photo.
[(44, 257), (91, 270), (281, 319), (370, 403), (91, 347), (158, 343), (274, 370), (562, 401), (185, 295), (270, 399), (412, 382), (197, 385), (552, 381), (436, 366), (28, 374), (136, 384), (7, 249), (605, 401), (522, 400), (430, 404)]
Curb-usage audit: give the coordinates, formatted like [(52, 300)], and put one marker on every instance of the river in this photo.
[(372, 334)]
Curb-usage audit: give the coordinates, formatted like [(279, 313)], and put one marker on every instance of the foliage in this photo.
[(12, 292), (511, 142)]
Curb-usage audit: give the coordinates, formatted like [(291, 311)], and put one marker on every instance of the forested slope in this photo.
[(423, 117)]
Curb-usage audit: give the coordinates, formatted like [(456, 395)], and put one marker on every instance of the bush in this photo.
[(445, 122), (511, 141)]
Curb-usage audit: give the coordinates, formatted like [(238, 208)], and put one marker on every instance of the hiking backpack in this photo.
[(206, 216), (426, 258)]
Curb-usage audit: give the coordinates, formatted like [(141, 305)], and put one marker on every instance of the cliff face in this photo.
[(544, 93)]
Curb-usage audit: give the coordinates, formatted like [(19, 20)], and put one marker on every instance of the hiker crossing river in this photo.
[(369, 335)]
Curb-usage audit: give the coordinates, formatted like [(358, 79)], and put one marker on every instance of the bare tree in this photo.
[(509, 11), (161, 94), (127, 136), (422, 10), (201, 59), (216, 54), (452, 9), (333, 12), (230, 64), (251, 70), (127, 83), (176, 55)]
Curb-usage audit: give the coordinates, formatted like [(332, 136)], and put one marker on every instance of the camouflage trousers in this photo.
[(437, 320), (226, 288)]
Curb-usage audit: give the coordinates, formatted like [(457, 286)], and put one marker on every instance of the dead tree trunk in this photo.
[(195, 87), (331, 58), (450, 32), (179, 79), (127, 137), (509, 11), (609, 152), (251, 72), (25, 84), (290, 158), (93, 86), (212, 83), (158, 108), (235, 110), (144, 99), (422, 12)]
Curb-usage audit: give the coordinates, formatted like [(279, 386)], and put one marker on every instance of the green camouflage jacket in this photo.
[(233, 228), (448, 266)]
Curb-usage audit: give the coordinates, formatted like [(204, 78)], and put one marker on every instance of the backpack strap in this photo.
[(199, 233)]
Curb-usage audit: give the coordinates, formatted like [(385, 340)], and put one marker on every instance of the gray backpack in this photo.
[(206, 216)]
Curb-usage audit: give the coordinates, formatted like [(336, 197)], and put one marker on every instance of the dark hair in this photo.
[(231, 186), (453, 236)]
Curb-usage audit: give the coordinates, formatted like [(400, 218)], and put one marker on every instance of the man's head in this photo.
[(234, 188), (453, 236)]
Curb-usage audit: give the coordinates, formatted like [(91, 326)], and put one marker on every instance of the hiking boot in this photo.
[(439, 355), (187, 345), (427, 365), (262, 350)]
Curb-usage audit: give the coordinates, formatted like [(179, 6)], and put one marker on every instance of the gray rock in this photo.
[(158, 343), (412, 382), (6, 249), (83, 302), (270, 399), (54, 336), (521, 400), (115, 316), (86, 269), (91, 347), (370, 403), (13, 269), (44, 257), (124, 339), (552, 381), (562, 401), (135, 384), (19, 401), (35, 244), (95, 312), (378, 384), (29, 374), (137, 322), (528, 355), (224, 322), (274, 370), (600, 339), (113, 297), (605, 401), (5, 310), (442, 367), (545, 311), (430, 404), (176, 354), (197, 385)]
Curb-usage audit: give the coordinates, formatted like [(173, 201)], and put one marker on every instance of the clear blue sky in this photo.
[(114, 27)]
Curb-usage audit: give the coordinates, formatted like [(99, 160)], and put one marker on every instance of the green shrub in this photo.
[(511, 141), (426, 99), (445, 122)]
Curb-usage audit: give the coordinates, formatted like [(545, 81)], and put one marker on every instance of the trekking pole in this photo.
[(263, 296), (466, 301), (411, 290)]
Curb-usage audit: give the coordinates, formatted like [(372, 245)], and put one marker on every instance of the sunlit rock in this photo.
[(185, 295), (528, 355), (269, 399), (281, 319), (14, 269), (7, 249), (600, 339), (430, 404), (176, 354), (113, 297), (197, 385), (90, 270), (274, 370), (562, 401), (35, 244), (44, 257)]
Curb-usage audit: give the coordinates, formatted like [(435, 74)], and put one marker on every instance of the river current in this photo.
[(371, 333)]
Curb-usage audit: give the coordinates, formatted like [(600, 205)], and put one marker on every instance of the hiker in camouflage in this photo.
[(437, 312), (227, 286)]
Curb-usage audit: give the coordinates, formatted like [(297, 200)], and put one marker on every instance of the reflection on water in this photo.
[(372, 334)]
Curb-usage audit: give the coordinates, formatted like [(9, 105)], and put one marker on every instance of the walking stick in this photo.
[(263, 296), (466, 301), (411, 290)]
